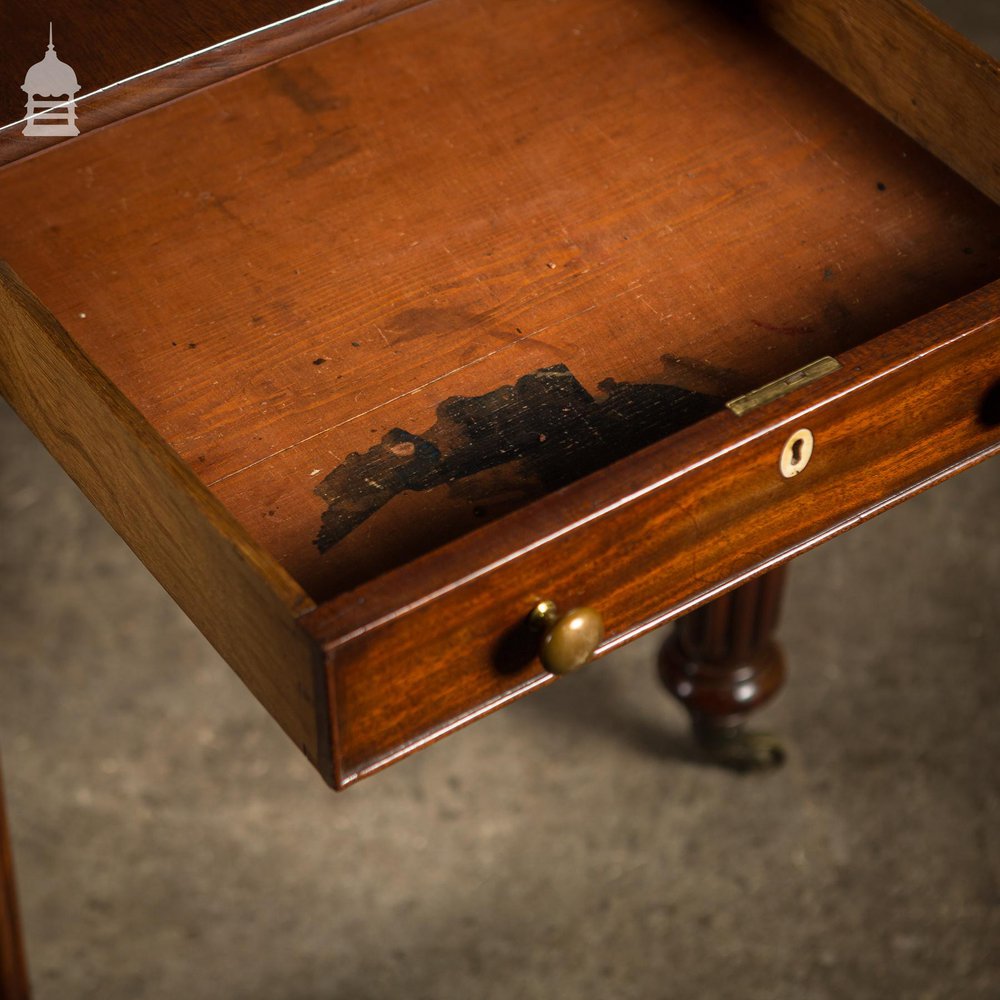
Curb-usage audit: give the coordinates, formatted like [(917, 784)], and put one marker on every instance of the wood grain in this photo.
[(911, 67), (440, 642), (13, 966), (243, 602), (129, 59), (650, 192)]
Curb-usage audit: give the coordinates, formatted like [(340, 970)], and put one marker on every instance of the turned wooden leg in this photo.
[(722, 662), (13, 970)]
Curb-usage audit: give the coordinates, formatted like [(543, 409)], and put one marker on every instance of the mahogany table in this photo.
[(425, 351)]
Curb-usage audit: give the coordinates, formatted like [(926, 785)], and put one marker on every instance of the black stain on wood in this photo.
[(529, 438)]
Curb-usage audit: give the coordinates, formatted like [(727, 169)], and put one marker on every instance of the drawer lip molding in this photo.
[(413, 655)]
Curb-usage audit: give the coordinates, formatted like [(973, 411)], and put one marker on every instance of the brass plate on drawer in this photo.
[(782, 386)]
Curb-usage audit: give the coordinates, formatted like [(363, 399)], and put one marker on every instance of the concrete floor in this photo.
[(172, 843)]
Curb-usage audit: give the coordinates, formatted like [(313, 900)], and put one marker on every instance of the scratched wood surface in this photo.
[(376, 296)]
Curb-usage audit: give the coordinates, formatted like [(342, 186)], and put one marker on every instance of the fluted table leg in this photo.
[(722, 662)]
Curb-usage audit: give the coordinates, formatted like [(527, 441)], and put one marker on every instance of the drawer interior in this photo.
[(391, 288)]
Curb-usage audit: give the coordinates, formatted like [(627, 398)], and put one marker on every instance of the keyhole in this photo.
[(796, 453)]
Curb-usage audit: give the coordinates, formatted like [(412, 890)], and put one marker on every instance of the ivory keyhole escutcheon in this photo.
[(796, 453)]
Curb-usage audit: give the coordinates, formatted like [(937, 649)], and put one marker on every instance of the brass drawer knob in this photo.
[(569, 640)]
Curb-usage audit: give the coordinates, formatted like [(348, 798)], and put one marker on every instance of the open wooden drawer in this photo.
[(368, 351)]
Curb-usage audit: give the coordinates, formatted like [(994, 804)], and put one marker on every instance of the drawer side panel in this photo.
[(242, 601)]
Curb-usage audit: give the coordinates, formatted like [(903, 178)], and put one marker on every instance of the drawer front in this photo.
[(433, 646)]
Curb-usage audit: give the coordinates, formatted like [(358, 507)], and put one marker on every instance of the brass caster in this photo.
[(739, 750)]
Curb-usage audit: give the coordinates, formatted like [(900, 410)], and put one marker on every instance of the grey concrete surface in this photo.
[(171, 843), (976, 19)]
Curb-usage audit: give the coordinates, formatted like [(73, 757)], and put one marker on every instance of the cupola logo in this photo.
[(51, 78)]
